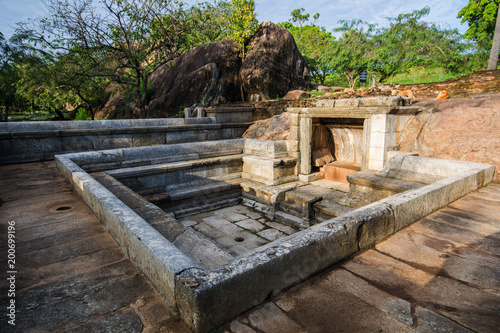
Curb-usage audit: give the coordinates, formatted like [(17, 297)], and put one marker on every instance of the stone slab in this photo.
[(326, 308), (471, 307), (271, 234), (251, 225), (202, 250)]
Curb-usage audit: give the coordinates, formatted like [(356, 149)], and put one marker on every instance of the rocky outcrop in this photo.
[(208, 74), (297, 94), (273, 65), (204, 75), (458, 129), (276, 128), (117, 105)]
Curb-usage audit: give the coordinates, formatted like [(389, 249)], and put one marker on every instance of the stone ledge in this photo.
[(204, 298)]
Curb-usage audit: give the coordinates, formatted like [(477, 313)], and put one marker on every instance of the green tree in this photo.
[(351, 53), (241, 25), (409, 42), (124, 41), (8, 76), (13, 54), (481, 16), (397, 47), (313, 42), (208, 23)]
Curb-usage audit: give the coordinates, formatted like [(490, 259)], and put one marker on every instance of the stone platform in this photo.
[(440, 274)]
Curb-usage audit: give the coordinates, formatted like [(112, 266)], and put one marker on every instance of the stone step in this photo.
[(339, 170), (173, 192), (300, 202), (196, 199), (326, 210), (211, 187), (185, 211), (291, 220), (368, 186)]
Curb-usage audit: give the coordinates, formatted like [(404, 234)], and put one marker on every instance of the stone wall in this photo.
[(38, 141)]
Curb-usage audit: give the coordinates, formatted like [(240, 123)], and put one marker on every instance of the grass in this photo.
[(422, 75), (414, 75), (317, 93)]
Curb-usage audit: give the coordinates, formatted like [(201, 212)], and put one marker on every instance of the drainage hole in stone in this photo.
[(63, 208), (239, 239)]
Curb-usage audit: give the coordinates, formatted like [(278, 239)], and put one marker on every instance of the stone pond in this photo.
[(219, 223)]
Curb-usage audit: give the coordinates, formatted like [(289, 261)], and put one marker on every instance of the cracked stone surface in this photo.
[(238, 229)]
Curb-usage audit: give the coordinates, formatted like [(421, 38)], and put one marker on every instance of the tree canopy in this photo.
[(83, 46), (481, 16), (124, 41), (314, 43)]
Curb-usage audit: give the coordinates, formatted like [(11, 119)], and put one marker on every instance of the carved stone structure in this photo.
[(383, 120)]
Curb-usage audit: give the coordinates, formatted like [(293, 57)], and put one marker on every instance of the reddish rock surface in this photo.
[(275, 128), (481, 82), (273, 65), (297, 94), (458, 129)]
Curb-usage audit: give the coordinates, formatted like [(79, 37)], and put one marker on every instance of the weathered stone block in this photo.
[(112, 141), (149, 139), (347, 103)]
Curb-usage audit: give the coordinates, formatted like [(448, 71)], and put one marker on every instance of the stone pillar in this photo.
[(294, 135), (365, 154), (377, 145), (305, 144)]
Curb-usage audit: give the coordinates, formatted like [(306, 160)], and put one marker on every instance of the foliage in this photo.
[(409, 42), (481, 16), (13, 55), (351, 53), (207, 23), (54, 83), (313, 42), (241, 21), (124, 41), (82, 114), (299, 18)]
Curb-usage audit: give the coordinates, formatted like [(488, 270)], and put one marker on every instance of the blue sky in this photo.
[(443, 12)]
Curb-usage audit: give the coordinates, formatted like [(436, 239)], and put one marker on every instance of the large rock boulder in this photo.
[(204, 75), (457, 129), (273, 65), (208, 75), (276, 128)]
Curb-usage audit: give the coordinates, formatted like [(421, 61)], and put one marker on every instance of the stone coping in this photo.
[(31, 132), (207, 299), (223, 109), (36, 126), (352, 112), (357, 107)]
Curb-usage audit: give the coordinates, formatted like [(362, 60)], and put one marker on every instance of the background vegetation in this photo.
[(85, 49)]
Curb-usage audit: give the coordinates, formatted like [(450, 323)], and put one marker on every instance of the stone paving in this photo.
[(441, 274), (71, 275), (238, 229)]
